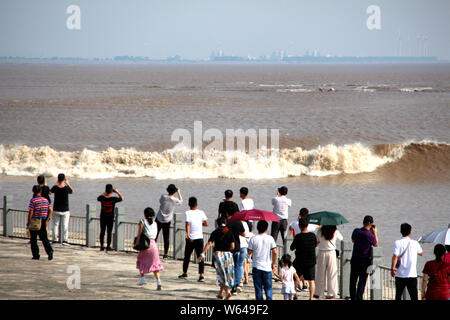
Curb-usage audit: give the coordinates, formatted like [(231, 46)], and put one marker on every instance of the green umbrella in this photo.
[(326, 218)]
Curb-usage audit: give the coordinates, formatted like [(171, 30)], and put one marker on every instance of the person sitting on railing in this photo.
[(436, 277), (39, 208), (108, 202)]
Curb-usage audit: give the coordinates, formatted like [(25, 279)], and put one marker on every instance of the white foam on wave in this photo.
[(295, 90), (179, 163), (418, 89)]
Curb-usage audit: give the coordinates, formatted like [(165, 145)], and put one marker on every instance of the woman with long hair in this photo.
[(148, 259), (327, 236), (224, 243), (436, 277)]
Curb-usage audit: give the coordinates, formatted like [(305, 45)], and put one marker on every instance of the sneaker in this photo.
[(109, 249), (182, 276), (50, 256), (102, 249), (35, 258), (65, 243), (142, 282), (238, 289), (201, 279), (159, 287), (165, 256), (234, 292)]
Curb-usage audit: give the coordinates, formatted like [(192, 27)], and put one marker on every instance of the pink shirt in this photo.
[(287, 275)]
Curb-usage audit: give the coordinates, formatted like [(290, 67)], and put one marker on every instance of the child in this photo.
[(288, 277)]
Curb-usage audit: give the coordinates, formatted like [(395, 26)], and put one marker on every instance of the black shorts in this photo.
[(308, 272)]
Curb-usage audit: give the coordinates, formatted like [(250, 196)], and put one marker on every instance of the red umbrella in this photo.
[(254, 214)]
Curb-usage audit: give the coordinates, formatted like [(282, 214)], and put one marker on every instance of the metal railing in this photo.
[(78, 235)]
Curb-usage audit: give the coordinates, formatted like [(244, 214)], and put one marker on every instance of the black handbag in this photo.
[(144, 243)]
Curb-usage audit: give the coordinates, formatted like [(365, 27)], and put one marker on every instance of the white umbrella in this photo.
[(441, 236)]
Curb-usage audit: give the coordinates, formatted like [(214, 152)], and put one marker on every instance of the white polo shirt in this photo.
[(281, 206), (246, 204), (296, 228), (408, 265), (262, 245), (195, 218)]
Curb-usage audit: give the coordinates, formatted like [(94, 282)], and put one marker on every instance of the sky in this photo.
[(194, 28)]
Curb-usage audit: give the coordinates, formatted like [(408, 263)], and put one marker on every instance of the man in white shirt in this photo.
[(405, 272), (264, 250), (246, 202), (281, 206), (195, 221)]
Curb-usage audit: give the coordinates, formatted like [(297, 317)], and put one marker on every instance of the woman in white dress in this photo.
[(326, 277)]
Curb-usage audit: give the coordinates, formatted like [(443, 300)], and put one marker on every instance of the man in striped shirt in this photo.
[(39, 208)]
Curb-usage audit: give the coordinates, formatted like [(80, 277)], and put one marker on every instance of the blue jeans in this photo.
[(242, 258), (262, 279), (237, 270)]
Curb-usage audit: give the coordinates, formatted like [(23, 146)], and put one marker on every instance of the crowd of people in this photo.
[(234, 243)]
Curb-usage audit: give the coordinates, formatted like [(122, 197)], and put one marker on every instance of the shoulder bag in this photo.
[(397, 265), (35, 224)]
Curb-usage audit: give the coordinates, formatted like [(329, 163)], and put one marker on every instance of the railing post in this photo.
[(178, 242), (174, 234), (8, 227), (375, 276), (90, 226), (346, 255), (118, 240)]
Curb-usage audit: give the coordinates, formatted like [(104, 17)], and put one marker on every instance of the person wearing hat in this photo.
[(165, 213), (281, 206)]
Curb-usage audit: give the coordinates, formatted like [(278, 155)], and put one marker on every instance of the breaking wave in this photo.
[(179, 163)]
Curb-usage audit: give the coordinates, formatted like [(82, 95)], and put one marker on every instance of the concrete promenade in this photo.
[(105, 276)]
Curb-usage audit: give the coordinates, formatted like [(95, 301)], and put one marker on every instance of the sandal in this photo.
[(228, 296), (219, 296)]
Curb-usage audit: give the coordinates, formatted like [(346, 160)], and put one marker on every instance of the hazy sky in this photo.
[(195, 28)]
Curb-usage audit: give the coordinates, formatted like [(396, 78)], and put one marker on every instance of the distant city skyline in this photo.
[(194, 29)]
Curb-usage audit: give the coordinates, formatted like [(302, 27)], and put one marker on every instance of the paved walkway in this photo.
[(105, 276)]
